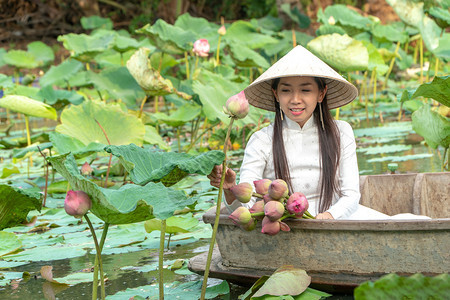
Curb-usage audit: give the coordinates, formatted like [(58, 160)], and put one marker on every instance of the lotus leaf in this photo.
[(285, 44), (145, 165), (6, 81), (20, 59), (389, 33), (346, 55), (152, 137), (399, 158), (244, 33), (441, 16), (443, 50), (175, 224), (80, 122), (124, 43), (28, 106), (84, 47), (432, 126), (64, 144), (6, 172), (438, 89), (302, 20), (200, 27), (329, 29), (60, 74), (268, 24), (384, 149), (375, 59), (50, 96), (94, 22), (42, 53), (344, 16), (21, 152), (8, 243), (15, 203), (181, 115), (246, 57), (6, 277), (2, 53), (129, 204)]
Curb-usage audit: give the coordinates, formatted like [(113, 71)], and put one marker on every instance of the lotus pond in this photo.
[(135, 120)]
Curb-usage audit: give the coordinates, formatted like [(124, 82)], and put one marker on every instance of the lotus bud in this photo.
[(297, 204), (222, 30), (237, 106), (262, 186), (86, 169), (240, 216), (77, 203), (258, 207), (270, 227), (267, 198), (201, 47), (242, 191), (278, 189), (284, 226), (274, 210), (250, 225)]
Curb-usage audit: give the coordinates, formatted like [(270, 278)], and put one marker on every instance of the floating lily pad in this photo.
[(286, 280), (8, 243), (6, 277)]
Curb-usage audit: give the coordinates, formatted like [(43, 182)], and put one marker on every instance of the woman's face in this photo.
[(298, 97)]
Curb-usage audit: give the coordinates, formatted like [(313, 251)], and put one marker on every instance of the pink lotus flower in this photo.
[(273, 227), (258, 207), (262, 186), (86, 169), (278, 189), (274, 210), (297, 204), (222, 30), (201, 47), (237, 106), (240, 216), (77, 203), (242, 191)]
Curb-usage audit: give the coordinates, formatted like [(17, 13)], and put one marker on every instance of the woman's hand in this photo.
[(324, 216), (216, 175)]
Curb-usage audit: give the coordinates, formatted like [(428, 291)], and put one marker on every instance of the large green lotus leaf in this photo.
[(346, 55), (175, 224), (84, 47), (329, 29), (201, 28), (119, 84), (124, 43), (42, 53), (145, 165), (60, 74), (442, 16), (80, 122), (162, 61), (246, 57), (438, 89), (181, 115), (430, 32), (268, 23), (22, 90), (6, 81), (443, 50), (389, 33), (129, 204), (393, 286), (410, 12), (152, 137), (9, 171), (28, 106), (94, 22), (286, 280), (15, 203), (8, 243), (65, 144), (50, 96), (20, 59), (375, 59), (168, 38), (432, 126), (21, 152), (302, 20), (243, 32), (345, 16), (286, 42)]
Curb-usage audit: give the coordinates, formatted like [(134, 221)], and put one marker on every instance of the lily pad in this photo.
[(8, 243), (145, 165), (80, 122), (432, 126), (15, 203), (28, 106)]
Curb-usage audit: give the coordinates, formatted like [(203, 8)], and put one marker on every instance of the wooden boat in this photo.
[(341, 254)]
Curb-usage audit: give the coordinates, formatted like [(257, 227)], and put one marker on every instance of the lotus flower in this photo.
[(258, 207), (278, 189), (201, 47), (77, 203), (243, 192), (274, 210), (273, 227), (222, 30), (262, 186), (241, 216), (297, 204), (237, 106), (86, 169), (250, 225), (267, 198)]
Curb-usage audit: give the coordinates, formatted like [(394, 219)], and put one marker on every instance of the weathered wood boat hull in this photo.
[(349, 252)]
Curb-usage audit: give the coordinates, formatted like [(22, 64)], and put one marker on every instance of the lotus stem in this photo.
[(337, 114), (200, 136), (46, 176), (218, 51), (88, 68), (110, 156), (421, 59), (141, 109), (161, 262), (294, 38), (374, 76), (444, 163), (257, 195), (178, 138), (27, 125), (366, 97), (218, 205), (391, 65), (257, 214), (416, 51), (187, 64), (96, 265), (436, 67), (99, 257), (156, 104)]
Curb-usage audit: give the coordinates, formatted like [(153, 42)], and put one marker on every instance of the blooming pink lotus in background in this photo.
[(262, 186), (297, 204), (201, 47), (240, 216), (274, 210), (278, 189), (242, 191), (237, 106), (77, 203)]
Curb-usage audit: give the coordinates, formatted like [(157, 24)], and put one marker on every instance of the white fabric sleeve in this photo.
[(348, 175)]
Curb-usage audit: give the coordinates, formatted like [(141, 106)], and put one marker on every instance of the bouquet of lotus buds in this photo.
[(275, 205)]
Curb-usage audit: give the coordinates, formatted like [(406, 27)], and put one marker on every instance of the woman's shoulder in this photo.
[(344, 127), (264, 133)]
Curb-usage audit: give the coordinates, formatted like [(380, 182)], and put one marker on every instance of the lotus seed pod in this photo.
[(77, 203), (237, 106), (240, 216), (242, 191), (278, 189), (270, 227), (262, 186), (274, 210), (297, 204)]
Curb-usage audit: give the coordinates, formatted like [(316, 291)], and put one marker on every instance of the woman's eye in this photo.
[(285, 91), (307, 91)]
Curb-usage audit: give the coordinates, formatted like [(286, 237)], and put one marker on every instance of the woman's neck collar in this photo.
[(294, 125)]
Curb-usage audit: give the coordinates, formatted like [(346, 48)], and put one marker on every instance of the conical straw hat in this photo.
[(300, 62)]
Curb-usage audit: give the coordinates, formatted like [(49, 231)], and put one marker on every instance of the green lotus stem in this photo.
[(156, 104), (218, 51), (337, 114), (257, 195), (196, 64), (406, 47), (46, 176), (416, 51), (216, 220), (178, 138), (168, 241), (421, 59), (110, 156), (374, 75), (161, 262), (96, 265), (141, 109), (121, 59), (400, 112), (187, 64), (309, 215), (27, 125), (443, 158), (257, 214), (199, 136), (391, 65), (99, 257), (88, 68), (366, 97), (436, 67)]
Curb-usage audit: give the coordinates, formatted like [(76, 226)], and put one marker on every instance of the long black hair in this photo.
[(329, 147)]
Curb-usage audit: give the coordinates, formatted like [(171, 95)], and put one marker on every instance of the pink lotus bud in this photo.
[(262, 186), (86, 169), (243, 192), (258, 207), (250, 225), (274, 210), (267, 198), (201, 47), (240, 216), (278, 189), (222, 30), (77, 203), (297, 204), (237, 106), (270, 227)]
